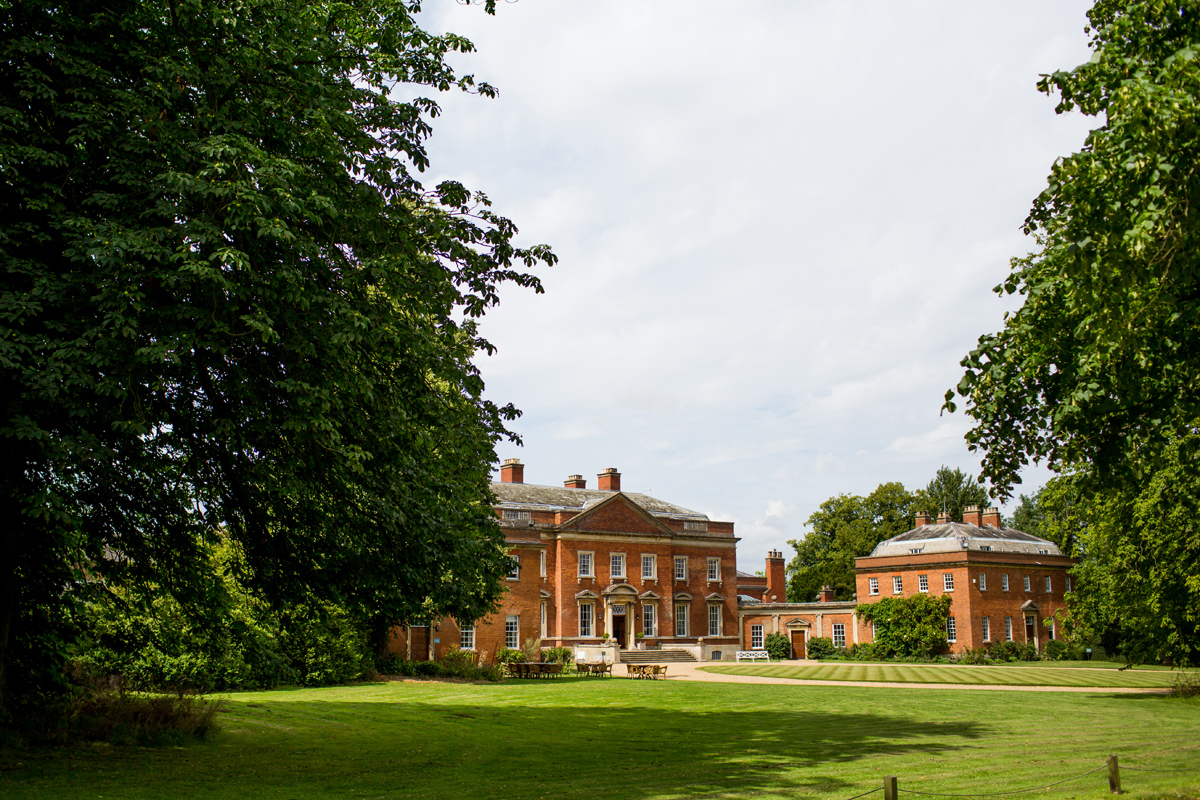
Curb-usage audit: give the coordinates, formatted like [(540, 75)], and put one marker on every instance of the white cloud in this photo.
[(778, 224)]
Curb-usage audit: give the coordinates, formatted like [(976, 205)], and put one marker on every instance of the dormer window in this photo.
[(512, 513)]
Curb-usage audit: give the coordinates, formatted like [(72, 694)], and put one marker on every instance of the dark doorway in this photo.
[(618, 631), (1030, 630)]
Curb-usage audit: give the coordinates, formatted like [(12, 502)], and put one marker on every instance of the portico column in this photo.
[(608, 619), (630, 625)]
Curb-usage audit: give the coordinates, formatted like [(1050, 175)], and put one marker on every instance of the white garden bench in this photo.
[(753, 655)]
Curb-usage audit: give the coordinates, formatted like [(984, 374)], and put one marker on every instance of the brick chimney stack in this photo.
[(826, 595), (922, 518), (609, 480), (776, 577), (943, 518), (973, 516), (512, 471), (575, 482), (991, 516)]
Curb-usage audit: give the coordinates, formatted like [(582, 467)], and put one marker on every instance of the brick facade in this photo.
[(1004, 584), (570, 590), (971, 604)]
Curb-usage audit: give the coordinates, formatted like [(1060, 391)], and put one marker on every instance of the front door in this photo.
[(1031, 629), (797, 644), (618, 631)]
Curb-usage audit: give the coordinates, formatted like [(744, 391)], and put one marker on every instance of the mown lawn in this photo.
[(947, 673), (616, 738)]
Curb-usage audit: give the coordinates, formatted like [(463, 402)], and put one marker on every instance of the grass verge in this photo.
[(642, 740)]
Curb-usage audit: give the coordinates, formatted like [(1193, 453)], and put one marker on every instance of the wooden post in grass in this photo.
[(1114, 775), (889, 787)]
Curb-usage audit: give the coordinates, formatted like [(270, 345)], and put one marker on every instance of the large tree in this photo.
[(1101, 364), (949, 492), (844, 528), (228, 303), (1098, 372)]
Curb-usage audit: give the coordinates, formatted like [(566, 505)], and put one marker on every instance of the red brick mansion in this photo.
[(604, 570), (1006, 585), (598, 566)]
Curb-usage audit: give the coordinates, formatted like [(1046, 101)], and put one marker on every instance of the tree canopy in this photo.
[(1097, 373), (1101, 363), (843, 528), (229, 304), (1136, 588), (950, 491)]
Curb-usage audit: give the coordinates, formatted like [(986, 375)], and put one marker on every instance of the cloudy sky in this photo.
[(779, 223)]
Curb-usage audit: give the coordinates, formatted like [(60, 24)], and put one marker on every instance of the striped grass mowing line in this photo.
[(960, 674)]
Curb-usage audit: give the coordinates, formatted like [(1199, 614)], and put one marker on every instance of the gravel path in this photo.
[(693, 672)]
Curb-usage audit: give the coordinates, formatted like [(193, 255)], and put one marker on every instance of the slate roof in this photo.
[(528, 496), (954, 536)]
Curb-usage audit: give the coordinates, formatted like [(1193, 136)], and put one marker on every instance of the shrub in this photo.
[(821, 647), (778, 646), (1014, 651), (427, 669), (908, 627), (506, 655), (459, 663), (558, 655), (1026, 651), (325, 644), (489, 672), (389, 664), (532, 649), (863, 651), (125, 718), (975, 655), (1056, 650)]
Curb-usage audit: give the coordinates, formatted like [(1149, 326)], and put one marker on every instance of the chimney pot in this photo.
[(991, 516), (943, 518), (973, 516), (609, 480), (575, 482), (512, 471), (922, 518)]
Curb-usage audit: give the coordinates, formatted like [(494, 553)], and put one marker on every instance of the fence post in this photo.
[(889, 787), (1114, 775)]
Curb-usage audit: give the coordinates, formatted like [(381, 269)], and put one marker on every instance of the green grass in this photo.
[(615, 738), (946, 673), (1085, 665)]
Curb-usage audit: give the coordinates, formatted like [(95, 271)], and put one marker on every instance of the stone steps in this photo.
[(655, 656)]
